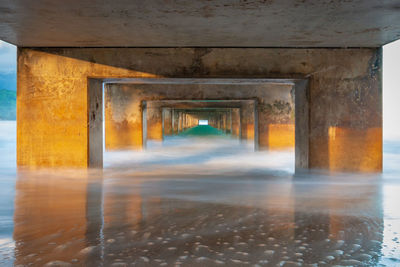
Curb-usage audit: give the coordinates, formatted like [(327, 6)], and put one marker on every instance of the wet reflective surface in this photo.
[(197, 202)]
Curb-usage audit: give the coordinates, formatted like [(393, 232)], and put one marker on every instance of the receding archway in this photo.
[(239, 89)]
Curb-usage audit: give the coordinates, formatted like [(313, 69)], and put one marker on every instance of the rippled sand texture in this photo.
[(200, 202)]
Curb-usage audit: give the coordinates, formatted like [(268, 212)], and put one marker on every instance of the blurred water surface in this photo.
[(197, 202)]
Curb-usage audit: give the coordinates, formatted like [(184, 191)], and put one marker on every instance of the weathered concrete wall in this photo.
[(256, 23), (276, 120), (236, 122), (121, 128), (167, 121), (278, 136), (126, 107), (248, 122), (154, 124), (180, 122), (199, 110), (344, 92), (175, 121)]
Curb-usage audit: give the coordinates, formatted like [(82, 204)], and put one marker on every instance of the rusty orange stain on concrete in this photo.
[(355, 149), (281, 136)]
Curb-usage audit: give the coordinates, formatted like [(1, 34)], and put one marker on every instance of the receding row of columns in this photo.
[(338, 94), (237, 118), (175, 121)]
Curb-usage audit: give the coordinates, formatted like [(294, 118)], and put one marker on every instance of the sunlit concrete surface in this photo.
[(60, 107), (281, 136), (124, 106), (197, 201)]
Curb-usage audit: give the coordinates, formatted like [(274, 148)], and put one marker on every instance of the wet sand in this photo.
[(198, 202)]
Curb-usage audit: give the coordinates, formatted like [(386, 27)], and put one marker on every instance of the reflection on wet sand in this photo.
[(56, 218), (198, 221)]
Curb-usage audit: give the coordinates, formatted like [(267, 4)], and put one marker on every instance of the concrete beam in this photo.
[(344, 96), (223, 23)]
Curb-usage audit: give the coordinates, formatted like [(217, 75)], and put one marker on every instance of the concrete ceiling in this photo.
[(199, 23)]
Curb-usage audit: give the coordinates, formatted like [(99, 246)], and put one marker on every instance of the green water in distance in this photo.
[(202, 130)]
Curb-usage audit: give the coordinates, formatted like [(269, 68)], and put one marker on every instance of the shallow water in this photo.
[(197, 202)]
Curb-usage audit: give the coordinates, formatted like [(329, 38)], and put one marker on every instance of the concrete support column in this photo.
[(180, 122), (193, 122), (276, 126), (248, 123), (123, 127), (223, 116), (229, 122), (235, 122), (211, 122), (167, 121), (154, 124), (175, 121), (95, 106)]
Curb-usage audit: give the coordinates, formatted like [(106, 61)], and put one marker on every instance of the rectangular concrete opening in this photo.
[(280, 111), (234, 118), (344, 96)]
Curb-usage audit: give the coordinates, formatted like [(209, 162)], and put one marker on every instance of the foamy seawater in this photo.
[(197, 202)]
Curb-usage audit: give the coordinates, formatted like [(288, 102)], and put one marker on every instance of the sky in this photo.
[(8, 58), (391, 83), (391, 90)]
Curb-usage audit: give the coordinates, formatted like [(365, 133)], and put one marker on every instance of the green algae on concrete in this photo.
[(202, 130)]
